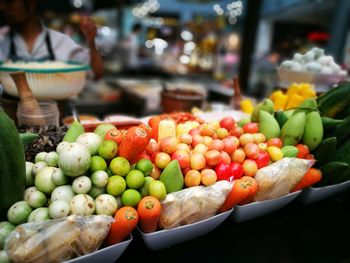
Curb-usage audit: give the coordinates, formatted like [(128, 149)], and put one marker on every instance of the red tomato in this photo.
[(216, 145), (237, 170), (197, 139), (228, 123), (114, 135), (182, 157), (263, 159), (251, 127), (223, 172), (303, 151), (249, 167), (212, 157), (152, 147), (225, 157), (229, 145), (251, 150), (237, 131), (275, 142), (168, 144)]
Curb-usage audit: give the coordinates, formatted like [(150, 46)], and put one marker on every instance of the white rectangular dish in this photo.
[(315, 194), (250, 211), (106, 255), (169, 237)]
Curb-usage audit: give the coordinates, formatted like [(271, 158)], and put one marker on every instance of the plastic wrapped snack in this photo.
[(57, 240), (280, 178), (193, 204)]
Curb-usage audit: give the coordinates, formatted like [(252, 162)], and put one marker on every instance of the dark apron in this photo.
[(13, 53)]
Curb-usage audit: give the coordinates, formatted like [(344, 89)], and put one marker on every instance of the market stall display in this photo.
[(180, 175)]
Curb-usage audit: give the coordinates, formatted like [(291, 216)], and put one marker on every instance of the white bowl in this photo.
[(253, 210), (169, 237), (108, 254), (288, 76), (47, 83), (315, 194)]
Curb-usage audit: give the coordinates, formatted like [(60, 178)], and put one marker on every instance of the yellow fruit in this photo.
[(308, 92), (275, 153), (293, 101), (294, 89), (280, 102), (276, 94), (247, 106)]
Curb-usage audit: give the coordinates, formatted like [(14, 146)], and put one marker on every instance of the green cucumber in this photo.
[(329, 123), (28, 137), (343, 153), (335, 102), (342, 131), (326, 148), (332, 172), (13, 166)]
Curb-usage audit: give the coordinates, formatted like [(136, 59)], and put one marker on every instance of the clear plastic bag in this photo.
[(280, 178), (193, 204), (57, 240)]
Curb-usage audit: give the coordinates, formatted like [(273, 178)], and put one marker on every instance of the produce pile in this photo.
[(176, 170), (313, 61)]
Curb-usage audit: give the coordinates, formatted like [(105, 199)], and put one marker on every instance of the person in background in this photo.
[(28, 39), (131, 44), (264, 80)]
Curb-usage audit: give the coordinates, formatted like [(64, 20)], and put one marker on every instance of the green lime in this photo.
[(157, 189), (144, 188), (120, 166), (97, 164), (135, 179), (116, 185), (131, 197), (108, 150), (145, 166)]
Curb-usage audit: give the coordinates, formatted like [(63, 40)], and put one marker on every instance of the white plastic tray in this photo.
[(166, 238), (106, 255), (313, 194), (243, 213)]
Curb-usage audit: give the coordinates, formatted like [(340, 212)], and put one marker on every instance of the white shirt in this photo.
[(64, 48)]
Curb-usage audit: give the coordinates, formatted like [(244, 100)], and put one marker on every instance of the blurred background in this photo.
[(201, 44)]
